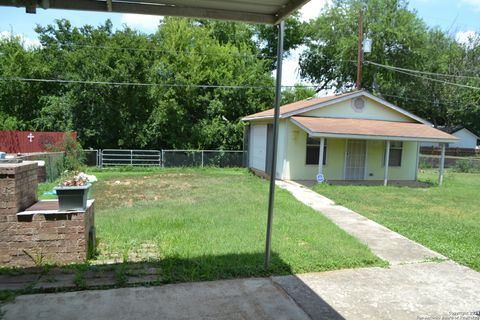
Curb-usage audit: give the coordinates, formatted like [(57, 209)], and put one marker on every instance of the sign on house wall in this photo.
[(30, 141)]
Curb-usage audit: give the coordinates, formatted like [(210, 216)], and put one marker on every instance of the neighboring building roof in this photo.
[(302, 106), (453, 130), (371, 129)]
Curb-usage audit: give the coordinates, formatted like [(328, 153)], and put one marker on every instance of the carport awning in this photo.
[(371, 129), (263, 11)]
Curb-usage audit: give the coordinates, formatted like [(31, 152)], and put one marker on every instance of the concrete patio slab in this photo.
[(228, 299), (385, 243), (411, 291)]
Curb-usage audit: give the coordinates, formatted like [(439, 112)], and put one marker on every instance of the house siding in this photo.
[(295, 162), (467, 139), (296, 169), (375, 161), (372, 110)]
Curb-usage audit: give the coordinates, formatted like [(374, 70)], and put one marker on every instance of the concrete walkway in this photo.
[(223, 300), (419, 284), (431, 290), (386, 244)]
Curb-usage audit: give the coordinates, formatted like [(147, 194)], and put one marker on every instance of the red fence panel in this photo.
[(30, 141)]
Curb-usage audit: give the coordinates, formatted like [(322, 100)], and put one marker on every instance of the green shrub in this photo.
[(74, 156), (466, 165)]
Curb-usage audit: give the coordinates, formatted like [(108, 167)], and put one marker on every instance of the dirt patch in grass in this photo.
[(130, 191)]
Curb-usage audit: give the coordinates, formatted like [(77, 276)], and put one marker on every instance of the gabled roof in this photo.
[(306, 105), (371, 129)]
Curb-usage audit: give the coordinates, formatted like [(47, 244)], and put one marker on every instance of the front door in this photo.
[(355, 159)]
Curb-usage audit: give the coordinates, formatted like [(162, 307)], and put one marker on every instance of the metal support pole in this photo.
[(360, 47), (442, 165), (387, 163), (418, 161), (278, 97), (202, 158), (131, 157), (320, 155)]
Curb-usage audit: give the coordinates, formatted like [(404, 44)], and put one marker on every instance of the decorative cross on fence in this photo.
[(30, 137)]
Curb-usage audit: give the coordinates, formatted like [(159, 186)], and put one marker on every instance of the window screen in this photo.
[(395, 159)]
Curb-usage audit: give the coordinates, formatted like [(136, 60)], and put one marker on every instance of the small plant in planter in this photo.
[(73, 190)]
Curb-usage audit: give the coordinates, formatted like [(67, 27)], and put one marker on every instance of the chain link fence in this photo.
[(54, 164), (171, 158), (53, 167), (202, 158), (92, 157)]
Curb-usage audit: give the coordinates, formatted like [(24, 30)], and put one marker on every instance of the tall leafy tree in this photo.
[(400, 38), (188, 116)]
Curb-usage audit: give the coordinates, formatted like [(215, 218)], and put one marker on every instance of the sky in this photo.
[(461, 18)]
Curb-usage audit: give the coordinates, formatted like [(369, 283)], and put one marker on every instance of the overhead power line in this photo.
[(416, 100), (439, 81), (255, 55), (422, 72), (143, 84), (418, 74)]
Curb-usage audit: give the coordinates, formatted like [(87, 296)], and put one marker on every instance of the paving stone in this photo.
[(59, 271), (58, 281), (142, 279), (17, 282), (106, 279), (141, 271)]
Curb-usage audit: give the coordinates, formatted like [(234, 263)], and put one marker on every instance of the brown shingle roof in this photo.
[(297, 106), (363, 127)]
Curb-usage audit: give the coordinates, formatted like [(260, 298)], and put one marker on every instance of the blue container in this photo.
[(2, 155)]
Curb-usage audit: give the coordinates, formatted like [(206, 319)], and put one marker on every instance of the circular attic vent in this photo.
[(358, 104)]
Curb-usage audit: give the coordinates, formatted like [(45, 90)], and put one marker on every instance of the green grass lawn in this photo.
[(204, 224), (445, 219)]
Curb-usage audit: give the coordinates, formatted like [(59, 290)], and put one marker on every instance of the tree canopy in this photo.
[(400, 39), (120, 88)]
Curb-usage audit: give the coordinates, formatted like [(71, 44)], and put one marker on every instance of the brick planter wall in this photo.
[(35, 237), (18, 188)]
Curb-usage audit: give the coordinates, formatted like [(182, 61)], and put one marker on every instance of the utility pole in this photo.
[(360, 49)]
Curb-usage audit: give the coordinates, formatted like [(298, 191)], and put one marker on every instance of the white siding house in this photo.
[(356, 135), (467, 139)]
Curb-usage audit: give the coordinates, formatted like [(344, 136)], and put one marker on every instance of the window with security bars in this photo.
[(313, 151), (395, 159)]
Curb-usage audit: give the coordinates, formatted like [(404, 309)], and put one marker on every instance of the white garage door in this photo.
[(258, 146)]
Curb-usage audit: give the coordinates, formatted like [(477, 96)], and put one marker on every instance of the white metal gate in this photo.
[(123, 157), (355, 159)]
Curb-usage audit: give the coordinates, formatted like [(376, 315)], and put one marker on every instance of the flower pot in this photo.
[(72, 198)]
